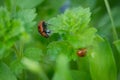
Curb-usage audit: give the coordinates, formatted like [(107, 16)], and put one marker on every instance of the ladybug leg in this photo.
[(49, 24)]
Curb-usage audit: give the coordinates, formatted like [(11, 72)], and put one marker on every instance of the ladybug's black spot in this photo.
[(44, 25)]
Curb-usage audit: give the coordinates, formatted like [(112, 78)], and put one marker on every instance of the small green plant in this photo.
[(72, 27), (75, 32)]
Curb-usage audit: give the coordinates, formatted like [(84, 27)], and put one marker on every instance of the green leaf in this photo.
[(5, 72), (31, 65), (117, 55), (15, 28), (84, 67), (4, 21), (27, 17), (16, 67), (34, 53), (102, 63), (62, 70), (83, 39), (73, 26), (34, 67), (5, 25), (71, 21), (80, 75), (56, 48), (117, 44)]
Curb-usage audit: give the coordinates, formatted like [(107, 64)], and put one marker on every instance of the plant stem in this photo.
[(115, 36), (19, 52), (16, 50), (21, 49)]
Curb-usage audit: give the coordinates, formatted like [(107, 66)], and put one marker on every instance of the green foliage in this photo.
[(14, 28), (117, 44), (6, 73), (16, 67), (104, 27), (54, 49), (62, 69), (70, 29), (80, 75), (102, 62), (73, 20), (27, 55), (117, 54), (37, 54), (70, 26)]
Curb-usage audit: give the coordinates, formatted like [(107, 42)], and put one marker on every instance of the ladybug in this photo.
[(42, 28), (82, 52)]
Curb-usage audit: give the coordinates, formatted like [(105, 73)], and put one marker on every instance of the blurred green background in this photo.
[(74, 24)]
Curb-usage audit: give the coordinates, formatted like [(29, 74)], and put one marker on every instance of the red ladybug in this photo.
[(82, 52), (42, 28)]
